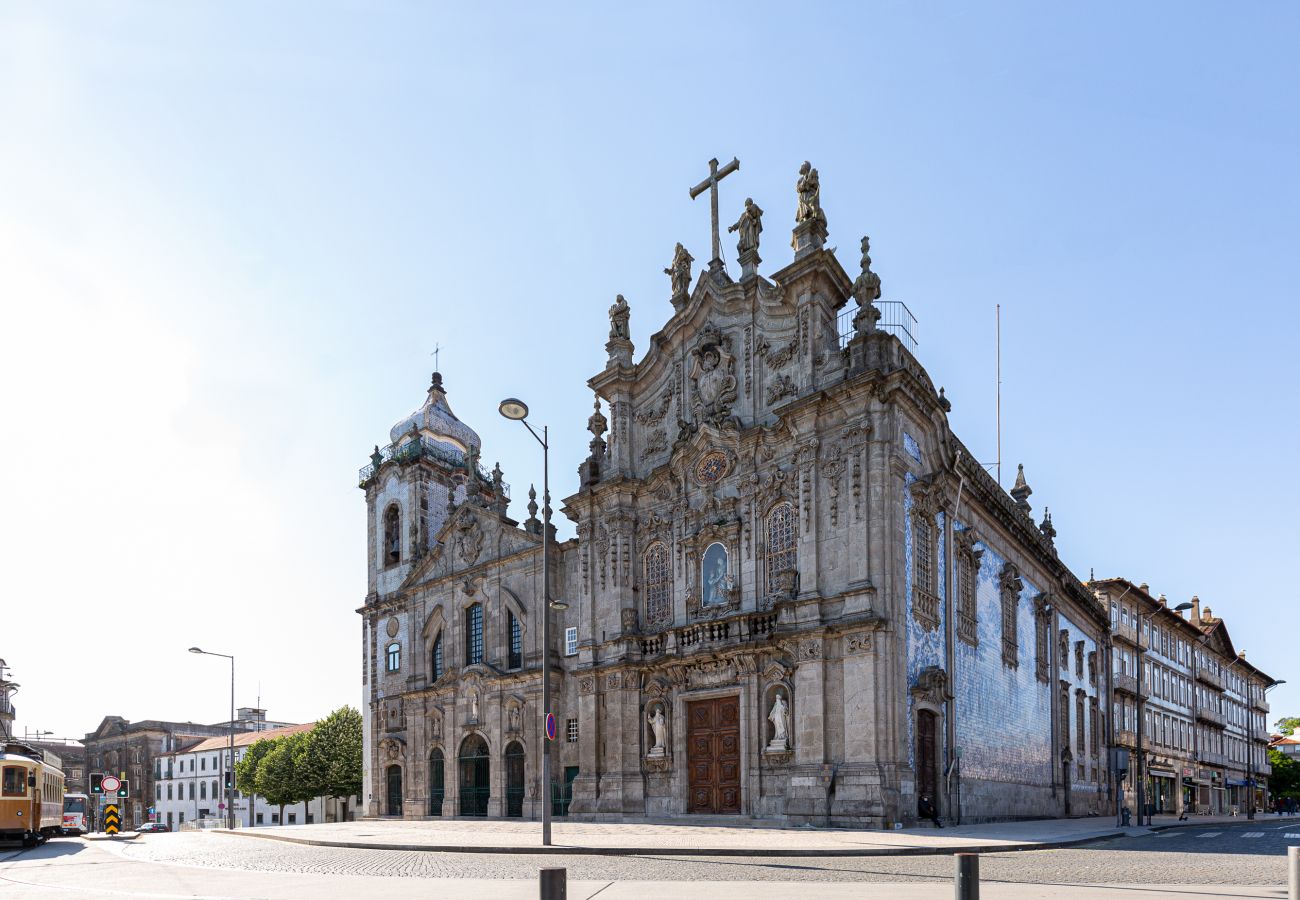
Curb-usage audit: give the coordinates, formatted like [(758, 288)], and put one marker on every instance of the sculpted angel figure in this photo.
[(750, 226)]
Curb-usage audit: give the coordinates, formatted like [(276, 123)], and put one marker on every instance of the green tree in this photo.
[(329, 760), (1287, 725), (246, 773), (278, 776), (1285, 780)]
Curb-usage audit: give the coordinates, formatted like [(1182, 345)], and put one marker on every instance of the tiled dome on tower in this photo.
[(436, 422)]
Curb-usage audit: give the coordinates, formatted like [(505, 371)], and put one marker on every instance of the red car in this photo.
[(149, 827)]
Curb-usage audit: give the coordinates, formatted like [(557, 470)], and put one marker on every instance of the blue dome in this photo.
[(436, 420)]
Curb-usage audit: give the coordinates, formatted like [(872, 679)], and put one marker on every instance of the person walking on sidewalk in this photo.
[(927, 810)]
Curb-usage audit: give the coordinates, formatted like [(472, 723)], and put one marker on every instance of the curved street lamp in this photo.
[(230, 790)]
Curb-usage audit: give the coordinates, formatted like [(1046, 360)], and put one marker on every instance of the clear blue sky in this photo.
[(230, 235)]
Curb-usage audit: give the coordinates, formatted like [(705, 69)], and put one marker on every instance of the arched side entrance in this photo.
[(515, 780), (394, 777), (437, 784), (927, 756), (475, 775)]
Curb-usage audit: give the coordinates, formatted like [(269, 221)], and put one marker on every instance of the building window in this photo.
[(203, 763), (658, 585), (1009, 588), (169, 792), (571, 641), (275, 818), (394, 656), (293, 818), (516, 659), (436, 662), (203, 790), (392, 535), (259, 818), (191, 790), (474, 634), (782, 554), (925, 602), (158, 792), (571, 731), (968, 563)]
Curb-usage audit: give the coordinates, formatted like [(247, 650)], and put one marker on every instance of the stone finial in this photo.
[(750, 226), (866, 290), (619, 345), (597, 424), (679, 272), (435, 383), (944, 403), (810, 221), (532, 524), (1046, 527), (1021, 490)]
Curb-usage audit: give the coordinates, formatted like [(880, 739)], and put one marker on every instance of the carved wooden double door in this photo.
[(713, 755)]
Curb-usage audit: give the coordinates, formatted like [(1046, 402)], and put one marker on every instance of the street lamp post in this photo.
[(1250, 745), (1141, 751), (230, 790), (517, 410)]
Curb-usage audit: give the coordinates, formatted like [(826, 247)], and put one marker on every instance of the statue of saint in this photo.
[(779, 717), (680, 271), (619, 314), (810, 196), (750, 226), (659, 726), (514, 718)]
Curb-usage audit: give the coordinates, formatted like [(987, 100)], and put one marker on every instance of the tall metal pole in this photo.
[(230, 771), (1141, 753), (546, 639)]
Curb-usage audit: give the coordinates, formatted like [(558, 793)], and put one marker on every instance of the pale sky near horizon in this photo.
[(231, 234)]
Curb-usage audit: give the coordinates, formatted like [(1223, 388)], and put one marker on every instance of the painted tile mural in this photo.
[(1079, 662), (1004, 724), (924, 647)]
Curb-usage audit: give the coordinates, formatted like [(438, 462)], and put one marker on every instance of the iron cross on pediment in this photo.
[(710, 184)]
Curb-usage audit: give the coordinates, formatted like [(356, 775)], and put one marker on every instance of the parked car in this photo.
[(148, 827)]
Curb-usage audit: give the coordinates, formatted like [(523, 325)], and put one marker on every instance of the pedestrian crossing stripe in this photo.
[(1210, 834), (1253, 834), (1292, 834)]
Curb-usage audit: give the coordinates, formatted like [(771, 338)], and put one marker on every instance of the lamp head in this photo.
[(1182, 606), (559, 604), (195, 650), (1276, 683), (515, 409)]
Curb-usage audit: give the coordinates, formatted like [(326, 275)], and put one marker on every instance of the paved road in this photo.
[(210, 865)]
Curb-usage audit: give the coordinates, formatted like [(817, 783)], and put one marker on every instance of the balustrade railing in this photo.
[(736, 629), (424, 448), (895, 318)]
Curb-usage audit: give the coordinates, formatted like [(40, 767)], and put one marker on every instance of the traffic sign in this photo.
[(112, 820), (550, 726), (111, 783)]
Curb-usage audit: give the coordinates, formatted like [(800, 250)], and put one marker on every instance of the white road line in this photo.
[(1292, 834), (1253, 834), (1210, 834)]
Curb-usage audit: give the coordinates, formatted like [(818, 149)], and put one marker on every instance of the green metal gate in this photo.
[(475, 776), (514, 780), (437, 784)]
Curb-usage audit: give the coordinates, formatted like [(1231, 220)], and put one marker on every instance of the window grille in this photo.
[(436, 663), (474, 634), (782, 554), (658, 585), (516, 659), (571, 731)]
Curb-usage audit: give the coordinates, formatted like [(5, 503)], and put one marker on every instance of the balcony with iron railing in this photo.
[(1126, 739), (1127, 684), (895, 319), (1210, 716), (424, 448), (1210, 758), (1206, 675)]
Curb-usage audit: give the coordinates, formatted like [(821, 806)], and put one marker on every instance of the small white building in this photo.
[(189, 785)]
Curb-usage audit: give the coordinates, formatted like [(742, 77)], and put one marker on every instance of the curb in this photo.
[(684, 851), (124, 836)]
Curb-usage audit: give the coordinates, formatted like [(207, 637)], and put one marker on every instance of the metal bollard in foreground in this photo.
[(553, 883), (1293, 872), (968, 876)]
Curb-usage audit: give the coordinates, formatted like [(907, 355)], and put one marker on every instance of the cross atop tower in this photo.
[(434, 354), (711, 185)]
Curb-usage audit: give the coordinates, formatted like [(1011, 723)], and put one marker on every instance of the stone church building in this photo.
[(794, 594)]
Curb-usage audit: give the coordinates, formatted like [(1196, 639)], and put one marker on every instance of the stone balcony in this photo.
[(1259, 702), (1126, 633), (1209, 758), (1206, 675), (1127, 684), (1127, 739), (737, 630), (1210, 716)]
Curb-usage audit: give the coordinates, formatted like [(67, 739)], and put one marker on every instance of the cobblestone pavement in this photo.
[(1245, 854)]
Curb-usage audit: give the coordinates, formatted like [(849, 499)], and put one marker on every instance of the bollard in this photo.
[(552, 883), (968, 876), (1293, 869)]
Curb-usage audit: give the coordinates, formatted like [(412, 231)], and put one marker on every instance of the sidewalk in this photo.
[(663, 838)]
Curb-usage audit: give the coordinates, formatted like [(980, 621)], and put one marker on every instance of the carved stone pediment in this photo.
[(711, 673), (392, 749), (713, 376), (931, 686)]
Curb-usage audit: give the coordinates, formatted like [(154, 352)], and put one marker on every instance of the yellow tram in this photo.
[(31, 794)]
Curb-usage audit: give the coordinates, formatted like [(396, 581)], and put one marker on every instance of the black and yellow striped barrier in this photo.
[(112, 819)]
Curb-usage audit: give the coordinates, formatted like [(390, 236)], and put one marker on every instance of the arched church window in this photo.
[(516, 657), (392, 535), (203, 790), (394, 656), (658, 585), (781, 552), (435, 666), (474, 634)]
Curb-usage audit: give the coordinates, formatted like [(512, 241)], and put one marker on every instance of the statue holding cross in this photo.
[(710, 184)]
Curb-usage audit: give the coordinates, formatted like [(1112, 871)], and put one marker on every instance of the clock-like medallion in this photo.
[(711, 467)]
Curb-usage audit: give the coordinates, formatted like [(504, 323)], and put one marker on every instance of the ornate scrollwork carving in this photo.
[(1010, 586)]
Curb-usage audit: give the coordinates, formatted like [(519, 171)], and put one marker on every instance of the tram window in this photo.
[(15, 782)]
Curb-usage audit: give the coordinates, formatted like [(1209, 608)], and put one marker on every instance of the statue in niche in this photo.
[(750, 226), (513, 716), (716, 576), (780, 719), (473, 705), (809, 189), (659, 727), (680, 271), (713, 375), (619, 314)]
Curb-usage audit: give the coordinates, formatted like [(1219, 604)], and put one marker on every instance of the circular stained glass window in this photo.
[(711, 467)]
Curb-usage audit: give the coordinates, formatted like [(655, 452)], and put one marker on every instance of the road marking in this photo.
[(1253, 834), (1210, 834), (1292, 834)]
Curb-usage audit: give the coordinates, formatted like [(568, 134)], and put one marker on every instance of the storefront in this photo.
[(1164, 785)]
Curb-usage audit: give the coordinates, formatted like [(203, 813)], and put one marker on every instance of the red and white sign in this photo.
[(111, 783)]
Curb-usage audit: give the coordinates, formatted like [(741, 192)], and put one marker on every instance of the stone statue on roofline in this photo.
[(619, 314), (680, 274), (809, 219), (750, 226)]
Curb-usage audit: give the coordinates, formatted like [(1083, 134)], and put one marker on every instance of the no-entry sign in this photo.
[(111, 784)]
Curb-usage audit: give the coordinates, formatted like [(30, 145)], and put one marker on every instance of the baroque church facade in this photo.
[(793, 595)]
